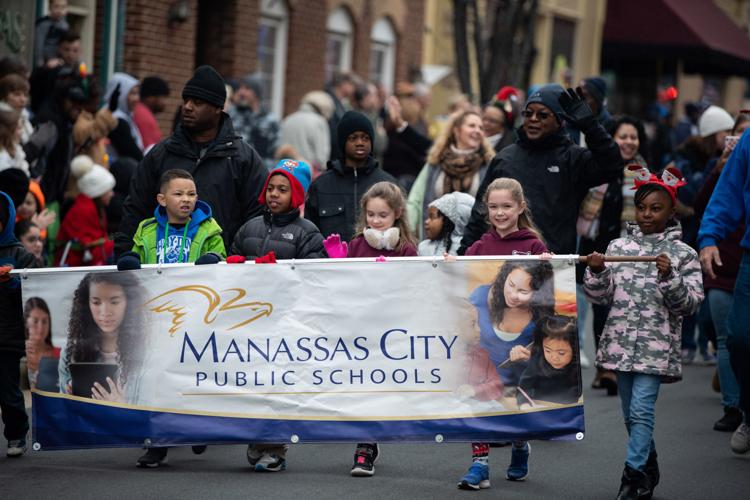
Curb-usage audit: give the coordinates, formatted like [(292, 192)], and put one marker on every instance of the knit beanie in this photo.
[(548, 95), (299, 175), (15, 183), (597, 88), (713, 120), (93, 180), (457, 207), (254, 83), (207, 85), (353, 121)]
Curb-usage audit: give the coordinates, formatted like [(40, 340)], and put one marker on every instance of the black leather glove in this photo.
[(577, 111), (209, 258), (129, 261), (114, 98)]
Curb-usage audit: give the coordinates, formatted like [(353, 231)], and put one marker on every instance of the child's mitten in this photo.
[(336, 248), (236, 259), (269, 258), (129, 261), (207, 258)]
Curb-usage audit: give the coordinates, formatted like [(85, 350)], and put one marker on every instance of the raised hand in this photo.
[(577, 111), (335, 248), (114, 98)]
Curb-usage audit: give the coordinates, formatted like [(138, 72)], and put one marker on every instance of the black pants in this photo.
[(12, 405), (600, 318)]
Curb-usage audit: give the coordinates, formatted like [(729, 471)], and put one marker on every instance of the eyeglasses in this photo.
[(541, 115)]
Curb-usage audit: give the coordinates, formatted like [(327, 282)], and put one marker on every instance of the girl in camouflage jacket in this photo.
[(641, 339)]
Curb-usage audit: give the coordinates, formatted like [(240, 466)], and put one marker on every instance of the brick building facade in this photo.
[(160, 39)]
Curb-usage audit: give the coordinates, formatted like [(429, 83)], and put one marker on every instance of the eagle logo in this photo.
[(179, 302)]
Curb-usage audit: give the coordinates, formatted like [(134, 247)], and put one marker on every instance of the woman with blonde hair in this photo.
[(457, 161)]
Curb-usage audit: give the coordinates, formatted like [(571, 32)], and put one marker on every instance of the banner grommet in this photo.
[(25, 273), (294, 439), (439, 438), (36, 446), (147, 443)]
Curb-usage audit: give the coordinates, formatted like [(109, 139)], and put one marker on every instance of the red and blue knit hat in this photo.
[(299, 175)]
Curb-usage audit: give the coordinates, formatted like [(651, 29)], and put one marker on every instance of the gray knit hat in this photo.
[(457, 207)]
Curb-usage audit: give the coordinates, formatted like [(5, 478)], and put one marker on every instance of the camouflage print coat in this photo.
[(643, 330)]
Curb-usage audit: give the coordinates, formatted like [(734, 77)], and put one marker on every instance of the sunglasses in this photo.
[(541, 115)]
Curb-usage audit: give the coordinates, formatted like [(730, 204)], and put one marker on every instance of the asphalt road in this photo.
[(696, 463)]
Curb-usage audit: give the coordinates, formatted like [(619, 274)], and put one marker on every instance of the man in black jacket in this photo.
[(228, 172), (555, 173)]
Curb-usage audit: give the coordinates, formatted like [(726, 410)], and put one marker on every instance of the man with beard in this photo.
[(228, 172)]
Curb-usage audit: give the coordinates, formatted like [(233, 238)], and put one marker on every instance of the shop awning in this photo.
[(696, 31)]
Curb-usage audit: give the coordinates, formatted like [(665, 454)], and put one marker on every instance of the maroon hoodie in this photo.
[(522, 241), (359, 247)]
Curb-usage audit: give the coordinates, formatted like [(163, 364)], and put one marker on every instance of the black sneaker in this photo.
[(154, 457), (364, 459), (730, 421)]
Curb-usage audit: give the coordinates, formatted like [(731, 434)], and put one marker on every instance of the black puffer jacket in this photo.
[(555, 175), (288, 235), (333, 198), (229, 177)]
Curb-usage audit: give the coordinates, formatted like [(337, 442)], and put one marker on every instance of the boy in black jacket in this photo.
[(12, 256), (281, 229), (334, 197)]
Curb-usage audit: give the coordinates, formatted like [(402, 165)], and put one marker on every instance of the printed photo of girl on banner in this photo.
[(533, 350), (106, 339)]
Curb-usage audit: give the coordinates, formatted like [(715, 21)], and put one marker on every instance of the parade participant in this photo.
[(520, 296), (554, 173), (14, 91), (125, 139), (553, 372), (307, 130), (11, 153), (724, 214), (382, 231), (641, 343), (48, 31), (457, 161), (444, 226), (259, 127), (280, 232), (227, 171), (719, 288), (333, 200), (281, 228), (181, 230), (83, 239), (33, 209), (37, 320), (12, 406), (154, 92)]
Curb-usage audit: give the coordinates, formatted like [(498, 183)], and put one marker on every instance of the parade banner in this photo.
[(307, 351)]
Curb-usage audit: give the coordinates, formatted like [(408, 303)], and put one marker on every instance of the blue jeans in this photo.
[(638, 394), (738, 336), (720, 303)]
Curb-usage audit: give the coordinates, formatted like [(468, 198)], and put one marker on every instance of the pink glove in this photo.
[(335, 247), (380, 259)]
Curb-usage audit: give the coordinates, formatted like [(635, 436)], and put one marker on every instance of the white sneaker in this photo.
[(16, 448), (585, 363)]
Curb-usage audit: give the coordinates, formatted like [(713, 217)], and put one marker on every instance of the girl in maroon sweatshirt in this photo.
[(382, 231), (511, 232)]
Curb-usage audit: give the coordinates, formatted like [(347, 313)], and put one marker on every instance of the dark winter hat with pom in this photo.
[(206, 85)]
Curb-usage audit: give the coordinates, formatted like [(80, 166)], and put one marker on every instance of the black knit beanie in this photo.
[(351, 122), (549, 96), (207, 85)]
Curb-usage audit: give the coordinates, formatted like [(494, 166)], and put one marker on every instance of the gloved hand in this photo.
[(114, 98), (207, 258), (336, 248), (577, 111), (5, 273), (129, 261), (269, 258), (236, 259)]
